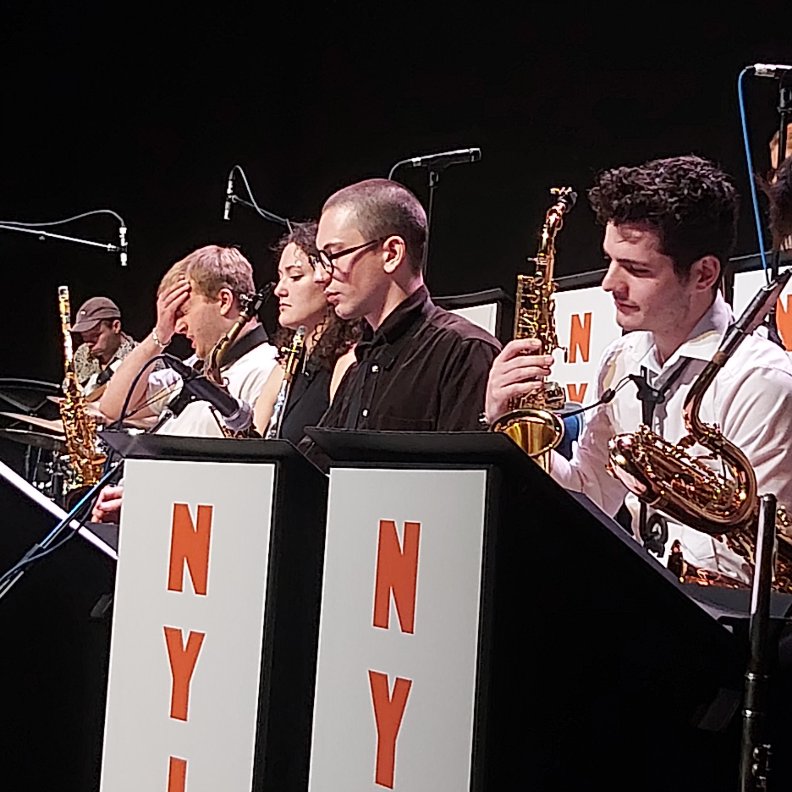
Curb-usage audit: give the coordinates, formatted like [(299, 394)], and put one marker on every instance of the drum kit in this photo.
[(46, 460)]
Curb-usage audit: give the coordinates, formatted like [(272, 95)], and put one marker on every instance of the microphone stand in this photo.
[(233, 198), (45, 235), (434, 178), (36, 229), (42, 548), (755, 750)]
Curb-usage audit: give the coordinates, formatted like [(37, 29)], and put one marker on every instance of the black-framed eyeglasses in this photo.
[(327, 260)]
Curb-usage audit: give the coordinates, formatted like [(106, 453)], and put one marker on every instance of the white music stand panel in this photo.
[(437, 659)]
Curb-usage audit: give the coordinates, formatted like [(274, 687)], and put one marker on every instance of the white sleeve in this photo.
[(252, 381), (587, 471), (757, 418), (163, 385)]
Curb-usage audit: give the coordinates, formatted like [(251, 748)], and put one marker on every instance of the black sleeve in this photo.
[(464, 386)]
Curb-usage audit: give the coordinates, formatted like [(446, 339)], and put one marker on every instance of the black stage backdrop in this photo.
[(146, 114)]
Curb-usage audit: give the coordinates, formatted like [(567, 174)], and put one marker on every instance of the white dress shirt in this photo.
[(246, 377), (750, 401)]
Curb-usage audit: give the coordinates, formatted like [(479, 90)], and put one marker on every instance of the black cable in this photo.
[(65, 220), (608, 395), (41, 549), (284, 221), (396, 166), (118, 423)]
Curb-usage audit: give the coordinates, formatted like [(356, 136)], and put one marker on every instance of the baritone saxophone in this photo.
[(533, 421)]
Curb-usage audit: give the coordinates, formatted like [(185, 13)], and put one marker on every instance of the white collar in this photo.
[(701, 344)]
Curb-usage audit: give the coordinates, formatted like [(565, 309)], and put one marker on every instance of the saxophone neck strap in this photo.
[(243, 345)]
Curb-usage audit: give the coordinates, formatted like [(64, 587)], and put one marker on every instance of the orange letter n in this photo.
[(580, 337), (784, 321), (397, 571), (189, 545)]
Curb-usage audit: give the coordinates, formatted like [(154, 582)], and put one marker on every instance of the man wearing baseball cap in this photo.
[(103, 346)]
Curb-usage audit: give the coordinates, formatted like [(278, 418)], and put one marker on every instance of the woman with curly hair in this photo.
[(328, 345)]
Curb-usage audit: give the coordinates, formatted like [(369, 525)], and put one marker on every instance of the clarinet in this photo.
[(293, 355)]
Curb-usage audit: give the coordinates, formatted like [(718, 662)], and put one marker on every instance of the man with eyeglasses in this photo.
[(418, 367)]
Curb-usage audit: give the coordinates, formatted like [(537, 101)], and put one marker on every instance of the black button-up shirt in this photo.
[(423, 369)]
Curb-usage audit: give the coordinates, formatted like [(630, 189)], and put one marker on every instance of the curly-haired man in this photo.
[(669, 229)]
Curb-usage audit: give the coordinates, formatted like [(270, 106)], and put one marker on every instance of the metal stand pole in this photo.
[(755, 749)]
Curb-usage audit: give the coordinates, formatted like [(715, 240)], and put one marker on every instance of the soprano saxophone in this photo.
[(667, 477), (79, 428), (533, 421), (293, 355)]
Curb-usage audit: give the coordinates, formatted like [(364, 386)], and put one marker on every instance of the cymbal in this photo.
[(90, 408), (38, 439), (44, 423)]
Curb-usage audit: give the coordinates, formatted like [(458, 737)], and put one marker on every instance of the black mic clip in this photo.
[(646, 393)]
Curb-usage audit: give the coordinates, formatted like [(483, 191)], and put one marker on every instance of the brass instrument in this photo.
[(666, 477), (293, 355), (532, 421), (214, 360), (79, 428)]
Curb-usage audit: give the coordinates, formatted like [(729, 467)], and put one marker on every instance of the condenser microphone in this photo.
[(445, 158), (769, 69), (229, 196), (122, 244), (237, 414)]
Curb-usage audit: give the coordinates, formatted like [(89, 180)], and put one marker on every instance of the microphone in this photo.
[(445, 158), (229, 196), (237, 414), (122, 244), (769, 69)]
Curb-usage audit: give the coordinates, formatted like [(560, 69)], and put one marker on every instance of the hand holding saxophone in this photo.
[(517, 371)]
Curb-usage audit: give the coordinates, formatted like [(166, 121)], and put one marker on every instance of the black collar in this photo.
[(397, 324)]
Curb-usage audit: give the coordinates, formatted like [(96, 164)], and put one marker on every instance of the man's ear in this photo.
[(115, 326), (705, 272), (395, 253), (226, 299)]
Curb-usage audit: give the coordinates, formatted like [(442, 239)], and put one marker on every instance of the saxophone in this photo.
[(79, 427), (666, 477), (293, 355), (532, 421), (214, 360)]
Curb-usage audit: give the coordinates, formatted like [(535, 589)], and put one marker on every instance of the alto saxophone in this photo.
[(79, 428), (214, 360), (666, 477), (532, 421), (293, 355)]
